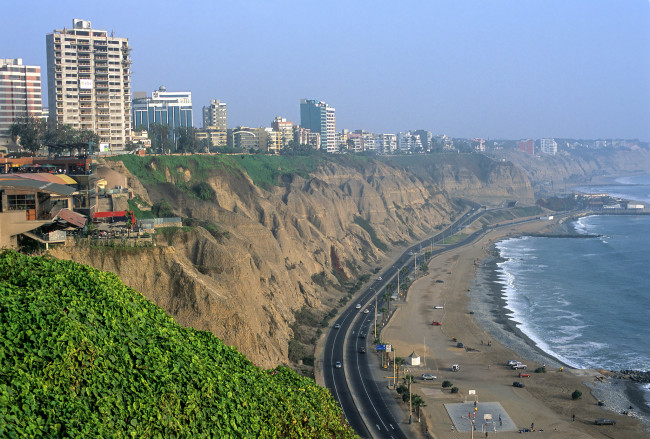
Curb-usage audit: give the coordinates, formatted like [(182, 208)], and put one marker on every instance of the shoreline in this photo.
[(487, 301)]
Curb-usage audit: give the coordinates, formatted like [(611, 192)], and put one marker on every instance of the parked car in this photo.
[(428, 376), (524, 375), (438, 307), (512, 362), (338, 365), (436, 323), (337, 326), (518, 384), (604, 421), (519, 366), (460, 345)]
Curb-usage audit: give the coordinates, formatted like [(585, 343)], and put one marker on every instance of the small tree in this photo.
[(577, 394), (446, 384), (417, 402), (454, 390)]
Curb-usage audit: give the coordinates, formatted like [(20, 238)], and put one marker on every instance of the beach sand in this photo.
[(462, 281)]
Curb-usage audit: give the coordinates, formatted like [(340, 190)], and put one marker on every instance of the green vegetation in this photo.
[(204, 191), (541, 369), (85, 356), (365, 225), (454, 390), (577, 394), (446, 384), (217, 232), (134, 205)]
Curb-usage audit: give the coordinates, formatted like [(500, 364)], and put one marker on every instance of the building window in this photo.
[(21, 202)]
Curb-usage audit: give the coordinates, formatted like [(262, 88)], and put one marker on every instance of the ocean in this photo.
[(586, 301)]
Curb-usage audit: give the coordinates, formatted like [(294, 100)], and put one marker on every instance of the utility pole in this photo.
[(375, 317), (410, 407), (394, 371)]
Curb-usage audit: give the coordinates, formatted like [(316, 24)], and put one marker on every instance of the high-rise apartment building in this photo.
[(215, 116), (20, 94), (320, 118), (89, 82), (548, 146), (172, 108)]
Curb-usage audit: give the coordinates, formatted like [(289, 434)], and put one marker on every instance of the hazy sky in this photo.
[(483, 68)]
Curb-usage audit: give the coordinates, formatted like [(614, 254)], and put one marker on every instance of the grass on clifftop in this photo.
[(85, 356), (264, 170)]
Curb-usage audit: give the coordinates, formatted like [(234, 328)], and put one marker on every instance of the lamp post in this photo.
[(410, 407)]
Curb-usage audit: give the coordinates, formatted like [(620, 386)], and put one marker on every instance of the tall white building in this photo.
[(320, 118), (89, 82), (548, 146), (216, 115), (20, 94)]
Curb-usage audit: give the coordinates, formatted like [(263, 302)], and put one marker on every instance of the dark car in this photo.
[(518, 384), (460, 345), (362, 350), (362, 335), (604, 421)]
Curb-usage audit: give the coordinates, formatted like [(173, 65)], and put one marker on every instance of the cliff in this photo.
[(278, 248)]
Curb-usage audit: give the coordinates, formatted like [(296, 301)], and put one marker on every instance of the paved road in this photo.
[(354, 385)]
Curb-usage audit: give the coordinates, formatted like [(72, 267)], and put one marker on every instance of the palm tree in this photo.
[(417, 402)]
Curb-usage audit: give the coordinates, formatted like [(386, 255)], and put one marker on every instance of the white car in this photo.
[(379, 278), (438, 307), (338, 365), (428, 376), (358, 306), (366, 311), (337, 326)]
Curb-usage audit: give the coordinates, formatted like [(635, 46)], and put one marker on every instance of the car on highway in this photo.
[(338, 365), (378, 277), (337, 326), (428, 376), (604, 421), (362, 350), (518, 384), (366, 311), (358, 306)]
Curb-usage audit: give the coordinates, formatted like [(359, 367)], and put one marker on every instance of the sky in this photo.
[(504, 69)]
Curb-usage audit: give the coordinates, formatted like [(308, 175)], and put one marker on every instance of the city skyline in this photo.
[(503, 70)]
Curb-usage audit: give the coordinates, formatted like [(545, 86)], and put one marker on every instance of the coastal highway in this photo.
[(353, 385)]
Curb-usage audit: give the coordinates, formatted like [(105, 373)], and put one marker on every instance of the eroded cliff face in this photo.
[(578, 166), (246, 284)]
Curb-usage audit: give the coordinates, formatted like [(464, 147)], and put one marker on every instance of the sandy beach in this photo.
[(462, 281)]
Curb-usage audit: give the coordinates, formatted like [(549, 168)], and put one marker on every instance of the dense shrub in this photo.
[(85, 356), (446, 384), (577, 394), (541, 369), (454, 390)]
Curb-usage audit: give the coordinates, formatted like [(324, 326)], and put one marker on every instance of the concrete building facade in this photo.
[(20, 94), (89, 82), (172, 108), (215, 115), (320, 118), (548, 146)]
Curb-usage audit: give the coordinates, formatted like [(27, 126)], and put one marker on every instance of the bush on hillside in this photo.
[(83, 355)]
